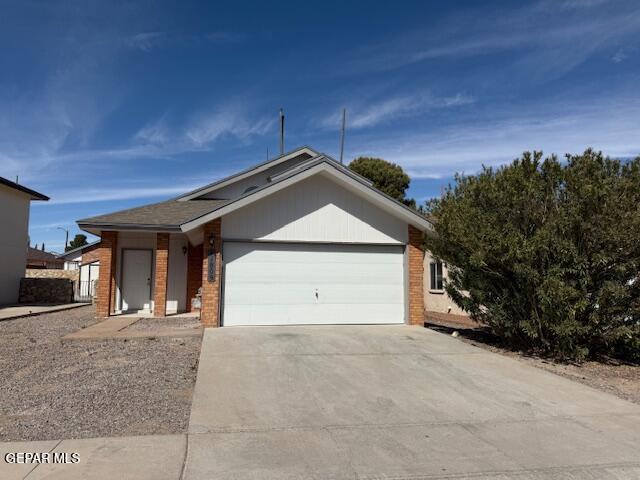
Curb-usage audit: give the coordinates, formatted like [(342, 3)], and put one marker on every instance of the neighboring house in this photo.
[(39, 259), (85, 260), (435, 297), (15, 201), (299, 239)]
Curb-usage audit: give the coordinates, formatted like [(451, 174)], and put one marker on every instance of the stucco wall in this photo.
[(14, 218), (437, 301), (177, 268), (177, 279), (314, 210)]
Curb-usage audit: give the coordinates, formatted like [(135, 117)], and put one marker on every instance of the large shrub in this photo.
[(547, 253)]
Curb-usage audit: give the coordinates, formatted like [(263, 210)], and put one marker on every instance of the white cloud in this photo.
[(145, 41), (464, 147), (124, 192), (369, 114), (556, 36), (207, 127)]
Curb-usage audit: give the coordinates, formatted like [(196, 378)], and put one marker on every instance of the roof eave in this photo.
[(127, 227), (250, 171)]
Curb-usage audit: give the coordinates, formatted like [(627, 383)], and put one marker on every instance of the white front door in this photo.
[(285, 284), (136, 279)]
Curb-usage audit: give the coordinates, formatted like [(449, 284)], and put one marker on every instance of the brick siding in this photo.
[(90, 255), (105, 303), (210, 312), (416, 276), (161, 275)]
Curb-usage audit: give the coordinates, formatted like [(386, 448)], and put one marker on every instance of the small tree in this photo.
[(386, 177), (79, 240), (547, 252)]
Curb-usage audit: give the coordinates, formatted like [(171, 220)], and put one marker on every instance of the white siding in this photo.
[(314, 210), (257, 180), (177, 282), (14, 219)]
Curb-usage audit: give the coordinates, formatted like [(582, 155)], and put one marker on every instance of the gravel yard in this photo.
[(81, 389)]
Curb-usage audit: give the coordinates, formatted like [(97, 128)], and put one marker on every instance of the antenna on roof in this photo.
[(344, 123), (16, 178), (281, 132)]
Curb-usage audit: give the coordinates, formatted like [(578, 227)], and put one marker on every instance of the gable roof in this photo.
[(78, 249), (188, 212), (329, 166), (248, 172), (32, 193)]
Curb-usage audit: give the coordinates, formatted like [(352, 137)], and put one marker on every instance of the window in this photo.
[(436, 276)]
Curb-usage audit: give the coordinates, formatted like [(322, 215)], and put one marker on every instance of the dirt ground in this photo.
[(613, 377), (82, 389)]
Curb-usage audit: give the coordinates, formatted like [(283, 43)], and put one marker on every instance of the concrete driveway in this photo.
[(394, 402)]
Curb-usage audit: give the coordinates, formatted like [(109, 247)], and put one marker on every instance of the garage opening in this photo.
[(312, 284)]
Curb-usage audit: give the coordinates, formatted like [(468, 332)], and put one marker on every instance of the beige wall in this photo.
[(14, 222), (437, 301)]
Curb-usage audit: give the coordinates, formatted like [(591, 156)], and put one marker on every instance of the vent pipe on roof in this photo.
[(281, 132), (344, 122)]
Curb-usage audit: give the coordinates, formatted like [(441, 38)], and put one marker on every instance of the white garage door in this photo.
[(288, 284)]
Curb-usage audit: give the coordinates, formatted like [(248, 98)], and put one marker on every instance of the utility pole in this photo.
[(281, 131), (344, 124), (66, 237)]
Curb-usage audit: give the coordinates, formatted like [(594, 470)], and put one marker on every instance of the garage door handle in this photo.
[(317, 296)]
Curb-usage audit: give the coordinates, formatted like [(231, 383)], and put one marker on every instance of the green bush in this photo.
[(547, 253)]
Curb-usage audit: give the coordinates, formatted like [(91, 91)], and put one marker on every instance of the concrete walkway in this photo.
[(391, 402), (18, 311), (132, 458), (115, 328)]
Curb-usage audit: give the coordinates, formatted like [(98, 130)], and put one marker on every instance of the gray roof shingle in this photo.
[(167, 214)]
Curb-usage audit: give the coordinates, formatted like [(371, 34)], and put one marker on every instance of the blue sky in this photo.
[(108, 105)]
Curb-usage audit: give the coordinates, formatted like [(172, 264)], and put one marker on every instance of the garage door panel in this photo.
[(302, 315), (291, 294), (276, 284), (288, 273)]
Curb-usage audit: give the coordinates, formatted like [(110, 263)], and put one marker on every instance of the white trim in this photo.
[(324, 167), (247, 173)]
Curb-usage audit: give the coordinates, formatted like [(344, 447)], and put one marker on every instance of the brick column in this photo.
[(107, 253), (161, 275), (210, 311), (415, 253)]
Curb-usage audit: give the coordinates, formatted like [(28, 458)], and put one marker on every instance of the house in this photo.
[(299, 239), (85, 260), (435, 297), (15, 201), (39, 259)]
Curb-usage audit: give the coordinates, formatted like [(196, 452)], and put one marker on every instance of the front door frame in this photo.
[(151, 271)]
